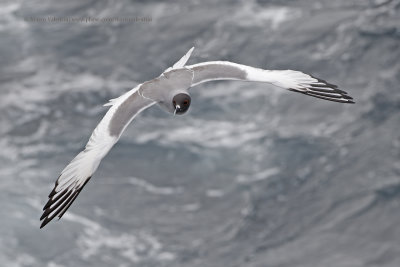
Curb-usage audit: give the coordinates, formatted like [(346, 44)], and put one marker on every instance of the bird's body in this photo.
[(170, 92)]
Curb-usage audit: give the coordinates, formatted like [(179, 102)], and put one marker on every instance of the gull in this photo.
[(170, 92)]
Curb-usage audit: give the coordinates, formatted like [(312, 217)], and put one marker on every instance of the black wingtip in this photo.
[(325, 82), (326, 91), (53, 200), (61, 203), (53, 192), (45, 222)]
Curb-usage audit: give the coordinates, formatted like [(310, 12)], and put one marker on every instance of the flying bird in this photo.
[(170, 92)]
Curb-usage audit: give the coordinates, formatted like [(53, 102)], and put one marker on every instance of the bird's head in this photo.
[(181, 103)]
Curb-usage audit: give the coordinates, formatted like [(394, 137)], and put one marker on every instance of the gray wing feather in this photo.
[(289, 79), (126, 112), (76, 174), (217, 71)]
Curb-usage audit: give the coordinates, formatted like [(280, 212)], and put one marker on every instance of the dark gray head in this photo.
[(181, 103)]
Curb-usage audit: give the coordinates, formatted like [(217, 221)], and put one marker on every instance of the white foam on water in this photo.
[(136, 247), (263, 175), (96, 241), (8, 20), (147, 186), (251, 14), (210, 133), (215, 193)]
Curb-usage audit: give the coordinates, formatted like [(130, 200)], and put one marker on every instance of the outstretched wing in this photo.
[(289, 79), (182, 61), (79, 171)]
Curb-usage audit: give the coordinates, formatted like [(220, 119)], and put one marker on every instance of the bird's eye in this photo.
[(185, 102)]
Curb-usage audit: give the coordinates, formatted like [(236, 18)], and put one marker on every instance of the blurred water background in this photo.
[(251, 176)]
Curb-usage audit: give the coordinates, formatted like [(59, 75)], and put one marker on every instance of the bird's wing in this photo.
[(78, 172), (181, 62), (289, 79)]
